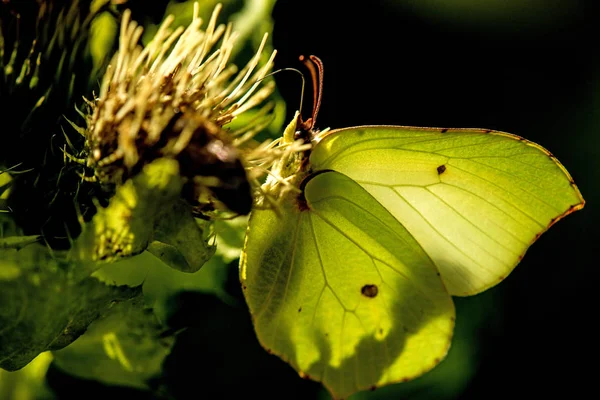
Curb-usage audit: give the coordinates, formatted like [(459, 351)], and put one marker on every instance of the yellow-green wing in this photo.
[(340, 290), (475, 200)]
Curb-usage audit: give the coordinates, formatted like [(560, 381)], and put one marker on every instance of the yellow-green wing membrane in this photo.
[(474, 200), (339, 288)]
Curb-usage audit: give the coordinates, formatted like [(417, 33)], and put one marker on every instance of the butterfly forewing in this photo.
[(474, 200)]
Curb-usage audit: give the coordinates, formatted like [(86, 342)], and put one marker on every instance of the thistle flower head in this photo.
[(174, 98)]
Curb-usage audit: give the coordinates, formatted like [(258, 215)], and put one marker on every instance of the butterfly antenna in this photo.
[(289, 69), (321, 69), (315, 66)]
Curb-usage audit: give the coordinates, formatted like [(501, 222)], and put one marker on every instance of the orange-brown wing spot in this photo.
[(369, 291), (304, 375)]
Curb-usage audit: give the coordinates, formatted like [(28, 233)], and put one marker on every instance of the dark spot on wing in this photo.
[(444, 130), (373, 387), (300, 309), (369, 290), (441, 169)]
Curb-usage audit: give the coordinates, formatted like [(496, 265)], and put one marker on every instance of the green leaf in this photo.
[(28, 383), (342, 291), (146, 210), (180, 240), (230, 237), (44, 306), (18, 242), (103, 34), (123, 347), (161, 283), (475, 200)]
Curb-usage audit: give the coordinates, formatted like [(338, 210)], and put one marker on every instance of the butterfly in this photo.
[(350, 279)]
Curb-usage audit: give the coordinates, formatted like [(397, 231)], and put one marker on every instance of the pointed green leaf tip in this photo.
[(349, 279)]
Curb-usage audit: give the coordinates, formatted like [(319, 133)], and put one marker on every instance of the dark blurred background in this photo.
[(529, 67)]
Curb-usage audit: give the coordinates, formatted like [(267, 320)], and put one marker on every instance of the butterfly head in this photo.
[(291, 153)]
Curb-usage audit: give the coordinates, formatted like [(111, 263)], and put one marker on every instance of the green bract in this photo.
[(350, 278)]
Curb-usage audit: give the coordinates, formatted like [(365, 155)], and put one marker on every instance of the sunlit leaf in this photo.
[(45, 305), (28, 383), (124, 347)]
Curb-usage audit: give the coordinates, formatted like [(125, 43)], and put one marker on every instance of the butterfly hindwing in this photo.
[(338, 288)]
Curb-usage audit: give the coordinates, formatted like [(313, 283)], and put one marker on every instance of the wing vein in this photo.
[(504, 190), (474, 226), (499, 209), (540, 199)]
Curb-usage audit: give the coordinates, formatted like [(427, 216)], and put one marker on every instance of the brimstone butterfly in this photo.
[(350, 278)]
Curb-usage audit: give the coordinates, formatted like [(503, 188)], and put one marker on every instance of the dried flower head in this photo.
[(174, 98)]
